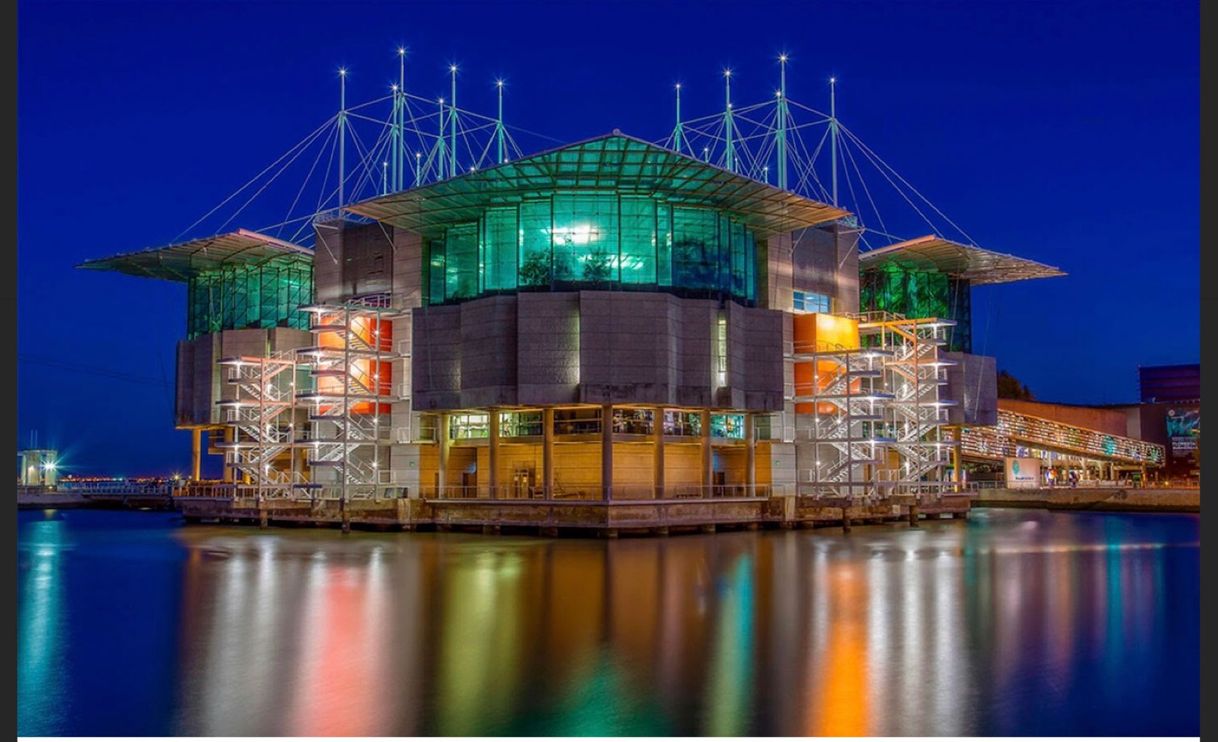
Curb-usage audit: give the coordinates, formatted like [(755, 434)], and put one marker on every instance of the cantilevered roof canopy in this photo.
[(182, 261), (973, 264), (613, 162)]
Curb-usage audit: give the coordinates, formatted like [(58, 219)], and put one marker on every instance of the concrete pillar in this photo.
[(445, 443), (607, 452), (547, 453), (657, 437), (196, 453), (750, 472), (492, 457), (708, 460)]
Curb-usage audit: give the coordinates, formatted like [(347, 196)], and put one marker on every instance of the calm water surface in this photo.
[(1016, 622)]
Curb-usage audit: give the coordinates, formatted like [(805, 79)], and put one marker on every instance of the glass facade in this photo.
[(240, 297), (918, 294), (594, 239)]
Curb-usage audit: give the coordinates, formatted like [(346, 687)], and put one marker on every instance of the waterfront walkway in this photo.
[(1156, 499)]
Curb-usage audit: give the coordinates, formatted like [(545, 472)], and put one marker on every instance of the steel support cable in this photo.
[(302, 143), (260, 191), (807, 173), (867, 150), (897, 188), (867, 191), (304, 183)]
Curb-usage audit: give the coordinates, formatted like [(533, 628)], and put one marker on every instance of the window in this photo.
[(806, 301), (468, 425), (638, 259), (677, 422), (521, 424), (727, 426), (582, 421), (721, 349), (633, 421), (499, 247)]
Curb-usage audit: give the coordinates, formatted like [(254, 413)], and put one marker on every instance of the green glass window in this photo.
[(435, 271), (585, 237), (727, 426), (664, 244), (461, 262), (243, 297), (738, 256), (500, 238), (536, 263), (695, 248), (638, 258)]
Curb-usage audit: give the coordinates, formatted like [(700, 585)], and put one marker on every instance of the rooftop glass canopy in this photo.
[(185, 260), (613, 162), (972, 264), (238, 280)]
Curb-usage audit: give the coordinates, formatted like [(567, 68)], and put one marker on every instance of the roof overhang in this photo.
[(614, 162), (974, 264), (181, 261)]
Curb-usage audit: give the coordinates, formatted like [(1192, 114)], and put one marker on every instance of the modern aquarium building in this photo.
[(609, 333)]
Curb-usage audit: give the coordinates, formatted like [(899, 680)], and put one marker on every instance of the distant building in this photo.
[(39, 467)]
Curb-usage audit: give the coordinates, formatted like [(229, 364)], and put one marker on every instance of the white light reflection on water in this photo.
[(989, 626)]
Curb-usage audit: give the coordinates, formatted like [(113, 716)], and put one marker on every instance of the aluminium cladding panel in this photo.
[(627, 352), (757, 336), (973, 384), (367, 258), (824, 260), (699, 318), (435, 358), (488, 352), (327, 264), (407, 268), (547, 347), (778, 273), (196, 383)]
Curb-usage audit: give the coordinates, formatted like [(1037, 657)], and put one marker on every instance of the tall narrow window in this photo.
[(721, 350)]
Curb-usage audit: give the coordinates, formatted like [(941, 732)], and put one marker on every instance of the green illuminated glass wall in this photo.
[(594, 239), (918, 294), (242, 297)]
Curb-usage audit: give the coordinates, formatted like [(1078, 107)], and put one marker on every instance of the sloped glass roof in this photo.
[(974, 264), (182, 261), (614, 162)]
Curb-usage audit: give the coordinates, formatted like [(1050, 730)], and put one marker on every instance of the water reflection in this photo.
[(1012, 623)]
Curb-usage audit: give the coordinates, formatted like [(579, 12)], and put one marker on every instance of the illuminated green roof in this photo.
[(183, 261), (614, 162), (973, 264)]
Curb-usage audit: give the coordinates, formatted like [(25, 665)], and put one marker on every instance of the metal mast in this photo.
[(730, 147), (678, 132), (502, 149), (342, 135), (781, 148), (452, 126), (399, 142), (833, 135), (440, 145)]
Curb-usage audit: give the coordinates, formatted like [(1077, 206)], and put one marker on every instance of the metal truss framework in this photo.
[(262, 423), (348, 405), (878, 417)]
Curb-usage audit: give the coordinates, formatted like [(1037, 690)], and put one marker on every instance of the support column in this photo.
[(607, 452), (708, 460), (196, 453), (229, 472), (445, 443), (547, 453), (492, 455), (750, 471), (657, 438)]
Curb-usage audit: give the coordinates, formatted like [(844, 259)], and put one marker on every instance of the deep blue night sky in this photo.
[(1064, 132)]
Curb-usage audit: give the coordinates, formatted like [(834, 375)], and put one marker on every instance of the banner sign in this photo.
[(1022, 473), (1183, 426)]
